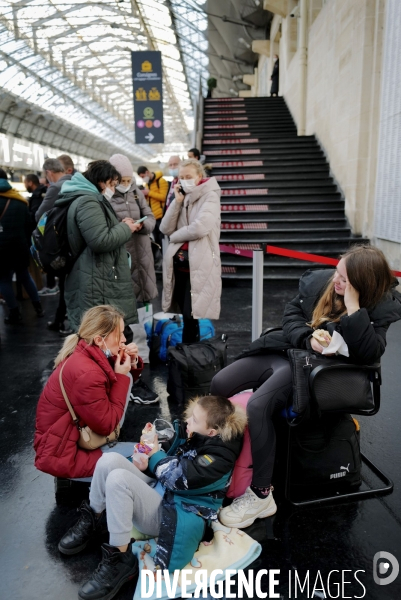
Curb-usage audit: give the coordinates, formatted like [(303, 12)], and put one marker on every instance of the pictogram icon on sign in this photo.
[(148, 112), (154, 94), (149, 137), (140, 94), (146, 67)]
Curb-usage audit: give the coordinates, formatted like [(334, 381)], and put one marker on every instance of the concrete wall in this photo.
[(345, 47), (341, 107)]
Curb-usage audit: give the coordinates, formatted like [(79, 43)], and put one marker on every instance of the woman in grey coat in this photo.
[(128, 201)]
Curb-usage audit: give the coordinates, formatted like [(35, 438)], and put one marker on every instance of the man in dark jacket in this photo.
[(15, 229), (56, 175), (57, 172), (37, 191)]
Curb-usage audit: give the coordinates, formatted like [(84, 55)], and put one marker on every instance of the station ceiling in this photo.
[(68, 62)]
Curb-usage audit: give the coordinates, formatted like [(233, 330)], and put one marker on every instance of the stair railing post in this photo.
[(257, 293)]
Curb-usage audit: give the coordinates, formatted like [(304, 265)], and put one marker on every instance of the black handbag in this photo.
[(329, 384), (191, 367)]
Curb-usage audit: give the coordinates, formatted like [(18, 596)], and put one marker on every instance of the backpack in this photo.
[(191, 367), (241, 476), (50, 248), (326, 454), (168, 333)]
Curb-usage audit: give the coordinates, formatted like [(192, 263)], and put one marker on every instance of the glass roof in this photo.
[(72, 58)]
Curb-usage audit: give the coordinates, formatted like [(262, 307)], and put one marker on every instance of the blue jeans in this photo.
[(6, 287)]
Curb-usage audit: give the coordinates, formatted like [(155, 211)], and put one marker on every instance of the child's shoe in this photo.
[(115, 569)]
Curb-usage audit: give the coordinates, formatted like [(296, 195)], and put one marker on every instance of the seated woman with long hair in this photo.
[(97, 378), (359, 301)]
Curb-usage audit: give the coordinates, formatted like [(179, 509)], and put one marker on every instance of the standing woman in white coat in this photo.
[(191, 265)]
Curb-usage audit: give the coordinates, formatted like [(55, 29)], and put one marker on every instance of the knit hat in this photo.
[(122, 164)]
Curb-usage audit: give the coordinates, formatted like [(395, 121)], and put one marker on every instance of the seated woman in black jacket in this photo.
[(359, 301)]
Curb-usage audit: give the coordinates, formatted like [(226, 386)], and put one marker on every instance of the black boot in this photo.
[(14, 316), (115, 569), (85, 529), (38, 309)]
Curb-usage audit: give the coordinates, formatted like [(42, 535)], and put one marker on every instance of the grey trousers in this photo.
[(124, 491)]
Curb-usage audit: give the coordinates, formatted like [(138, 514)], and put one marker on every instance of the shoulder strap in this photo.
[(5, 208), (139, 206), (68, 403)]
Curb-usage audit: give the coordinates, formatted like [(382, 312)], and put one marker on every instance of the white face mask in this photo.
[(174, 172), (108, 193), (122, 188), (145, 179), (187, 184)]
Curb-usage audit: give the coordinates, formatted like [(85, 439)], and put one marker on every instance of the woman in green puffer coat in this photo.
[(101, 273)]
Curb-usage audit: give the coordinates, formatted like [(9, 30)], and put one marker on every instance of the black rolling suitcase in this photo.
[(191, 367)]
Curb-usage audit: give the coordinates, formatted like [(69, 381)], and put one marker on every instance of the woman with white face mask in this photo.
[(191, 265), (130, 205)]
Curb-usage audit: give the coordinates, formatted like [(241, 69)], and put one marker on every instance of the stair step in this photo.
[(226, 181), (282, 143), (230, 213), (288, 274), (267, 172), (242, 166), (237, 260), (228, 113), (257, 153), (260, 232), (313, 245), (279, 187), (261, 140), (273, 221), (267, 147)]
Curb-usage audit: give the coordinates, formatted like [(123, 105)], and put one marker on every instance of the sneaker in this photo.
[(55, 326), (142, 394), (115, 569), (85, 529), (14, 317), (38, 309), (49, 291), (64, 331), (245, 509)]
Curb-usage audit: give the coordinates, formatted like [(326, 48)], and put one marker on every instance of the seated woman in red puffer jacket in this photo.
[(97, 382)]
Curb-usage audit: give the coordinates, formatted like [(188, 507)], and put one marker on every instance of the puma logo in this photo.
[(345, 468)]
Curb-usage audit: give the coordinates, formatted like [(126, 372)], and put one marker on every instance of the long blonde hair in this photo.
[(99, 320), (368, 272)]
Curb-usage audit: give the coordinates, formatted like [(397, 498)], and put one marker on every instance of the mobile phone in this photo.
[(181, 190), (141, 220)]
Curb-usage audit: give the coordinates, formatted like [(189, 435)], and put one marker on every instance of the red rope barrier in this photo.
[(302, 255), (288, 253)]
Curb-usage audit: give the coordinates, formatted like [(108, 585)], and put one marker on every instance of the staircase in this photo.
[(276, 187)]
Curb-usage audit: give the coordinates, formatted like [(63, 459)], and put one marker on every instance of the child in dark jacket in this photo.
[(182, 489)]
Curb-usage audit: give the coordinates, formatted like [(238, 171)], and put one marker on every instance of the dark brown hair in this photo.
[(368, 272), (100, 171)]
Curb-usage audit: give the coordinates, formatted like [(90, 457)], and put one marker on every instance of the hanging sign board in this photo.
[(148, 97)]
